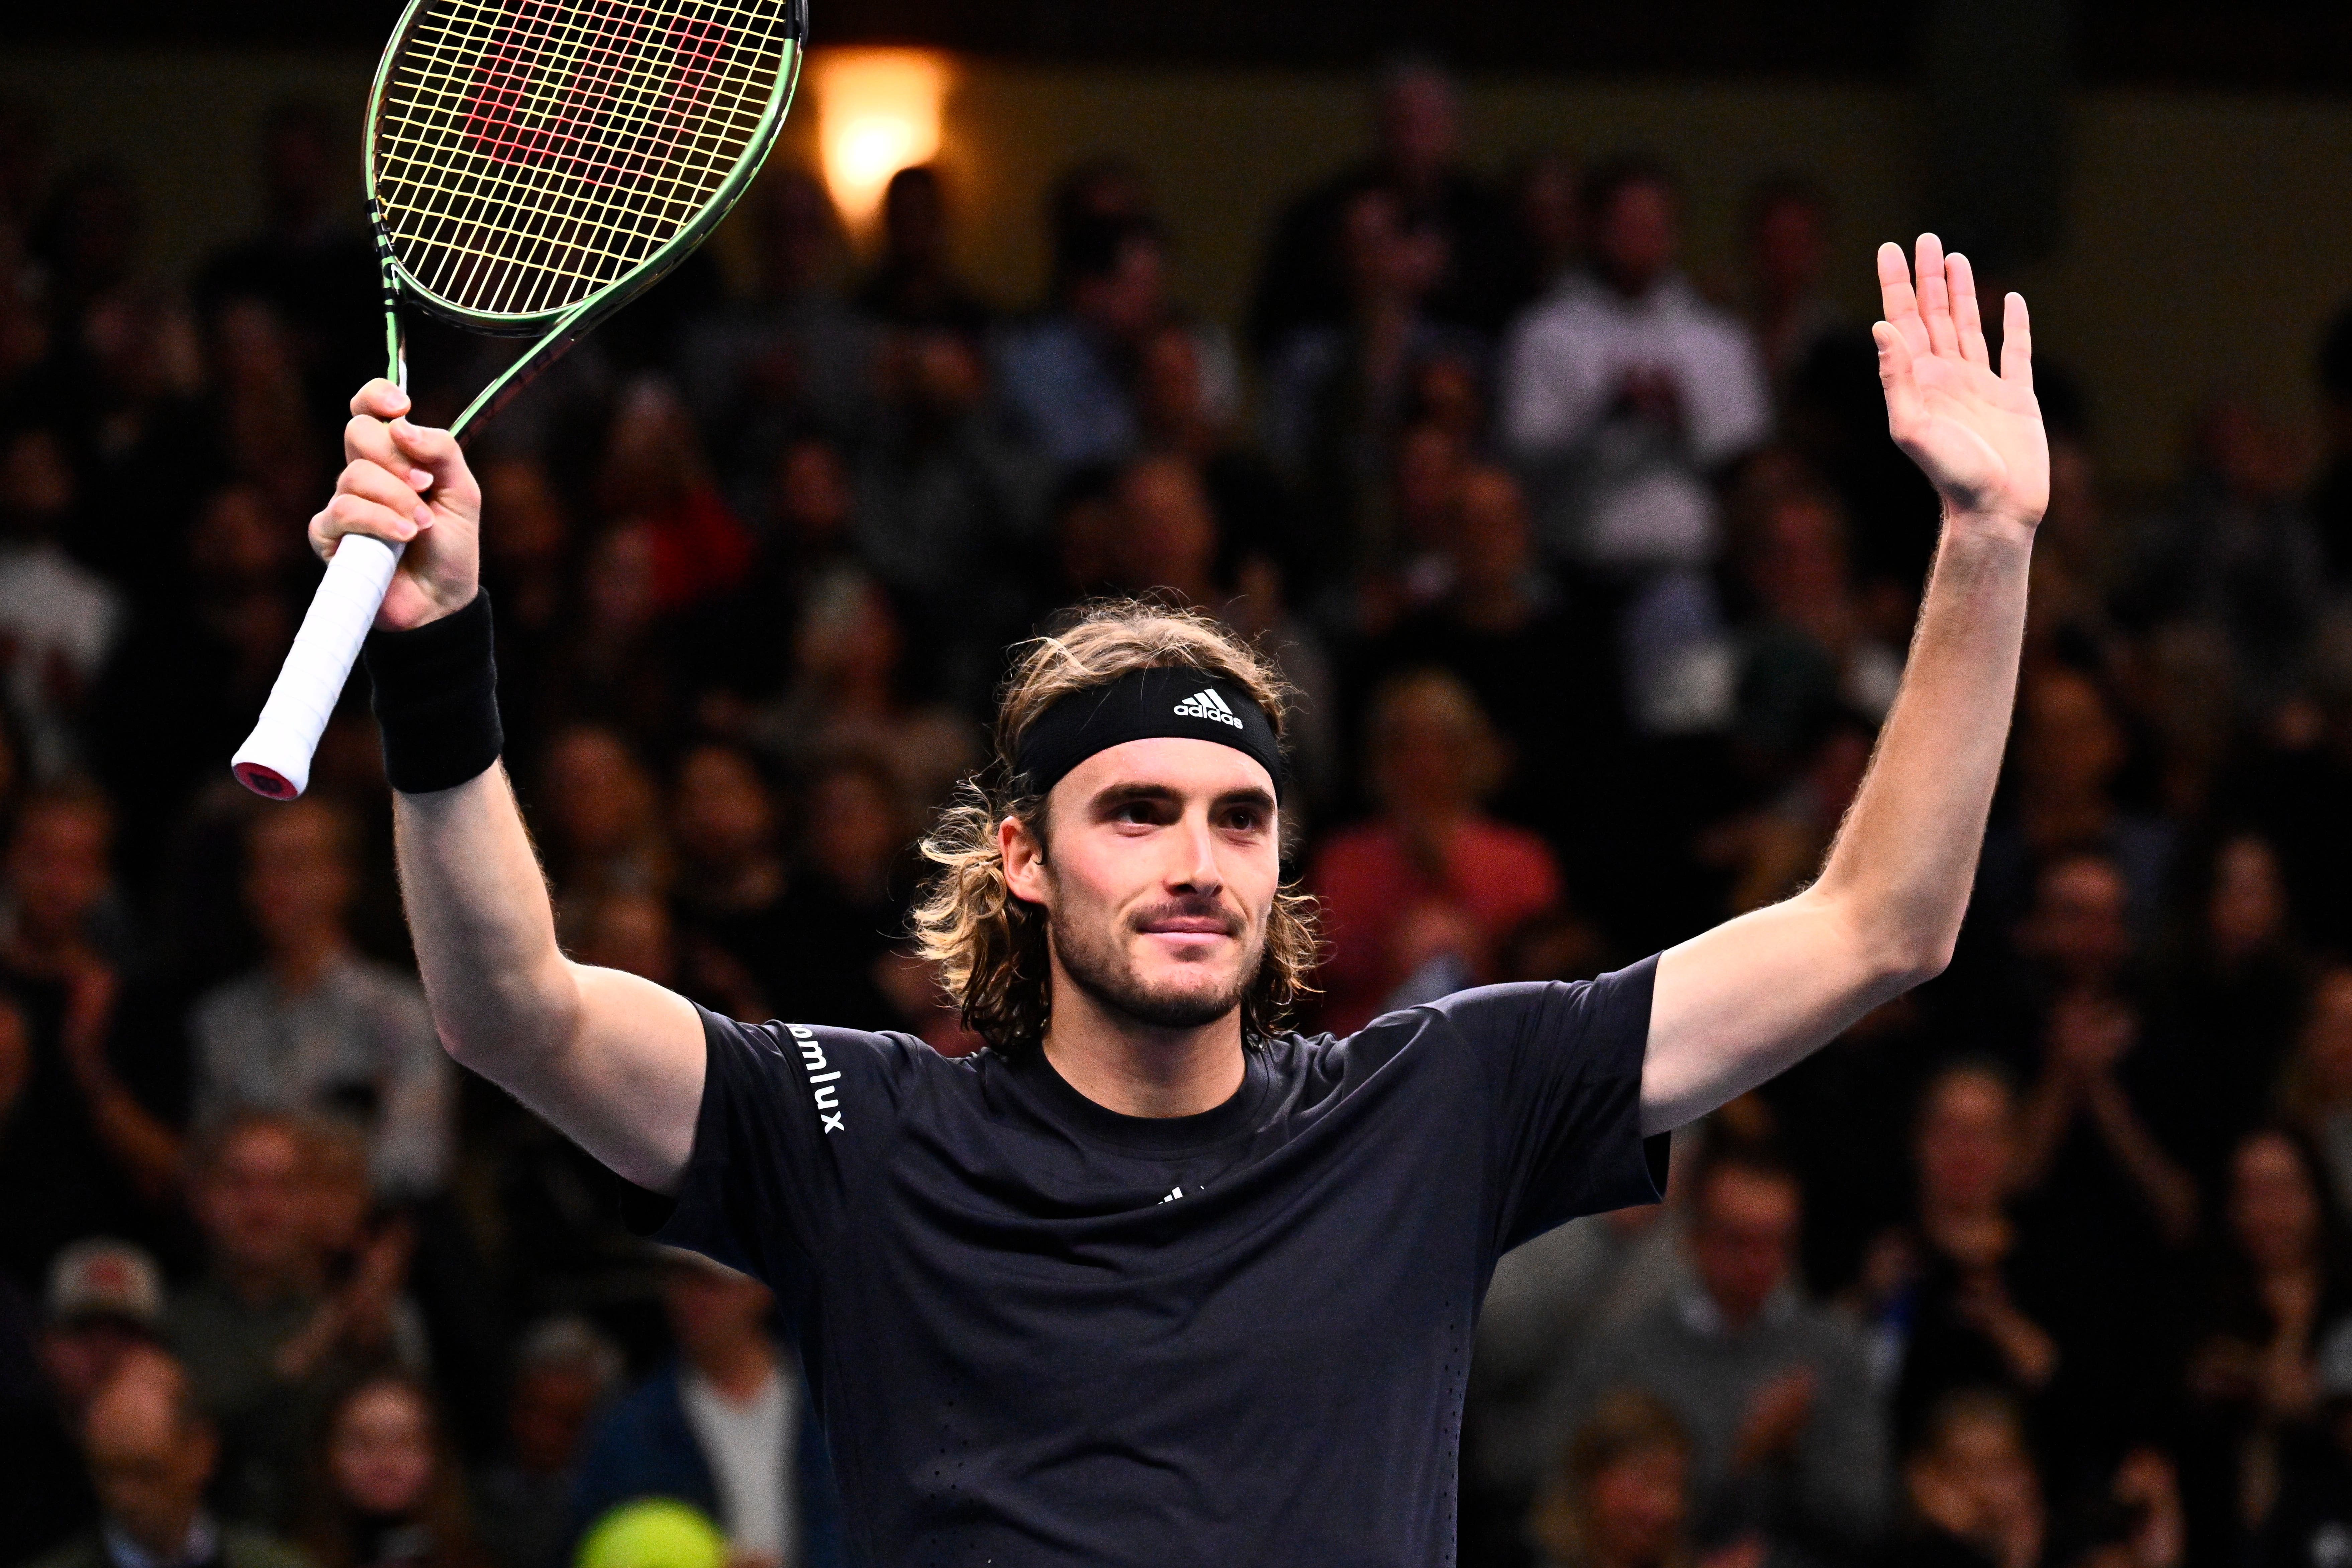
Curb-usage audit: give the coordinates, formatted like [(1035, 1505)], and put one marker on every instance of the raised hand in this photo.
[(407, 485), (1976, 434)]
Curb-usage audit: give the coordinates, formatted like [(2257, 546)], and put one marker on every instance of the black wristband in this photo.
[(436, 700)]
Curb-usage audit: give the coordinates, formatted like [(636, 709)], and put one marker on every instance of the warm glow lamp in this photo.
[(877, 112)]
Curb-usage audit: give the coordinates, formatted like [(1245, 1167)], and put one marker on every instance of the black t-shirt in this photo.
[(1041, 1333)]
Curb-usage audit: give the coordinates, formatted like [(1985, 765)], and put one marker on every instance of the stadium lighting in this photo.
[(877, 112)]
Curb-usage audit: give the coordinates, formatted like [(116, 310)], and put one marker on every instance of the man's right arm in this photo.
[(614, 1061)]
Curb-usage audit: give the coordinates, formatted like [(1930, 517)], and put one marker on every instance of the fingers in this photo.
[(380, 399), (435, 453), (1904, 409), (371, 499), (1935, 297), (1897, 303), (2016, 343), (1967, 321)]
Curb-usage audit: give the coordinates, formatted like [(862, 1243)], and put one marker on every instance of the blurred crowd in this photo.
[(1595, 576)]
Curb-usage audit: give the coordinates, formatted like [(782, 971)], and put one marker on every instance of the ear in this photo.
[(1024, 857)]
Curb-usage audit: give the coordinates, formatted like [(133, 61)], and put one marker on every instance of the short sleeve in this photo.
[(789, 1114), (1563, 1067)]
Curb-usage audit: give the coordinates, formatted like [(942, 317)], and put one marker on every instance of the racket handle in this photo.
[(274, 759)]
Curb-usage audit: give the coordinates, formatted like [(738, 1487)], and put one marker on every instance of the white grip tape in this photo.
[(274, 759)]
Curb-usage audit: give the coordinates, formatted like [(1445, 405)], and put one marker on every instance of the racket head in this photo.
[(537, 163)]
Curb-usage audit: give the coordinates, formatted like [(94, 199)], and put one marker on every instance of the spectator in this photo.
[(387, 1491), (599, 817), (318, 1027), (725, 1428), (1790, 313), (1624, 388), (152, 1454), (60, 619), (2313, 1521), (102, 1308), (654, 473), (1067, 378), (914, 283), (1416, 165), (1254, 510), (1787, 1441), (266, 1332), (1975, 1501), (1621, 1496), (2283, 1275), (2316, 1095), (565, 1369), (1431, 877)]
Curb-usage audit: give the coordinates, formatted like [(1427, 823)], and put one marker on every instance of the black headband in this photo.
[(1145, 705)]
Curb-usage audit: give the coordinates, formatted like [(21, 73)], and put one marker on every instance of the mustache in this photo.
[(1191, 909)]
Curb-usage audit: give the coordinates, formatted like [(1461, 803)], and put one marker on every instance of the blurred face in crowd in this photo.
[(253, 1205), (631, 931), (598, 798), (57, 866), (1156, 862), (713, 1312), (1976, 1478), (1797, 563), (553, 1406), (237, 542), (2247, 912), (2079, 922), (37, 487), (2324, 1052), (380, 1450), (1130, 297), (617, 585), (1170, 539), (1420, 126), (814, 502), (855, 828), (299, 876), (150, 1457), (1967, 1146), (1744, 1238), (1637, 235), (724, 814), (1634, 1506), (849, 636), (1790, 244), (2275, 1204), (532, 529), (2071, 745), (1386, 258), (1434, 754), (1169, 394), (1492, 549)]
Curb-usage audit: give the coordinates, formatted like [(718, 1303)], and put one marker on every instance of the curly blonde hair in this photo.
[(991, 946)]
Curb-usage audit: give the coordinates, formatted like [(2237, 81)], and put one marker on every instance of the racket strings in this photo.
[(530, 152)]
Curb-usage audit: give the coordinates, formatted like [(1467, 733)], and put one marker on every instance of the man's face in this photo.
[(148, 1462), (299, 877), (1158, 874), (1743, 1239), (253, 1204)]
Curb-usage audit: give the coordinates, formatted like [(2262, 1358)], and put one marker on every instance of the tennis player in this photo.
[(1149, 1281)]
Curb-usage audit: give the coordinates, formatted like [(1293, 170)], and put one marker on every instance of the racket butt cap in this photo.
[(265, 780)]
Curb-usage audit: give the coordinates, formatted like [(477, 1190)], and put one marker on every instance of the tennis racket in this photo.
[(532, 165)]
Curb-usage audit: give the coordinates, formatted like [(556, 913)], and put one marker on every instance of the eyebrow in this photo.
[(1117, 796)]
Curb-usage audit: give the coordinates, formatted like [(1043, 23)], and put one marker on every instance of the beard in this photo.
[(1100, 965)]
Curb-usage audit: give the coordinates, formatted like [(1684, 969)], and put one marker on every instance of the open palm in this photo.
[(1976, 434)]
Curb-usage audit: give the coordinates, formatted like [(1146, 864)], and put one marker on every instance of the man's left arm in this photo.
[(1738, 1005)]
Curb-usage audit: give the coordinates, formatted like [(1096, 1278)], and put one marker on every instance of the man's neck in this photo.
[(1136, 1068)]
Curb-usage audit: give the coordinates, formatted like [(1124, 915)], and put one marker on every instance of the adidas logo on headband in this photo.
[(1206, 704)]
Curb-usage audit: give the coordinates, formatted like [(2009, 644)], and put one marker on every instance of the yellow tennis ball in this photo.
[(657, 1533)]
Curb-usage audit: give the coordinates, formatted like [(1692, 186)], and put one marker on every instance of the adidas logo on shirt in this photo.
[(1206, 704)]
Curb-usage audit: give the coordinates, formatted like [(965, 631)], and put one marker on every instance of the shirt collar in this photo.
[(201, 1545)]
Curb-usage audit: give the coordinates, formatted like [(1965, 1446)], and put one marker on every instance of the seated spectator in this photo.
[(1787, 1441), (387, 1491), (1337, 395), (58, 619), (2312, 1523), (104, 1305), (2316, 1095), (565, 1369), (1623, 387), (1621, 1495), (1167, 539), (527, 563), (1967, 1311), (2283, 1273), (913, 283), (152, 1455), (725, 1428), (1066, 378), (318, 1027), (267, 1331), (1253, 509), (654, 473), (1974, 1499), (80, 1153), (1433, 760), (599, 817)]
